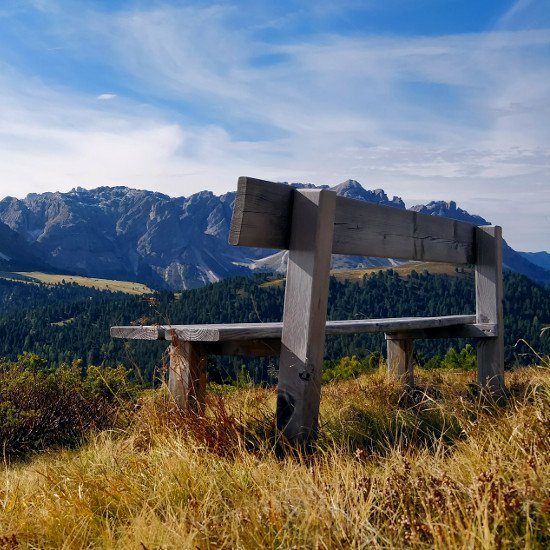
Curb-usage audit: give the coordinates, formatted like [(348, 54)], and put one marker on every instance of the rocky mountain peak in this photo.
[(354, 190), (349, 186), (448, 210), (131, 234), (298, 185)]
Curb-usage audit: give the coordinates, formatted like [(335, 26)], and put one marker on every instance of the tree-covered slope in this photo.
[(18, 292), (61, 329)]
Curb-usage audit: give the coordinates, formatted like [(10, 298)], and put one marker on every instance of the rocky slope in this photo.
[(16, 254), (122, 233)]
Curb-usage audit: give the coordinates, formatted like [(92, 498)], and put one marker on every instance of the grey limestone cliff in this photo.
[(177, 243)]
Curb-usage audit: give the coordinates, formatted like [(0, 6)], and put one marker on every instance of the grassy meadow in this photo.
[(437, 268), (127, 287), (356, 275), (439, 467)]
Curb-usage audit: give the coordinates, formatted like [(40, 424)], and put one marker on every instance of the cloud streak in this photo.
[(106, 97), (200, 101)]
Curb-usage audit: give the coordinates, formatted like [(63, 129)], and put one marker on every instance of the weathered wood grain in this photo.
[(260, 331), (396, 324), (479, 330), (187, 375), (154, 332), (225, 332), (489, 295), (262, 214), (365, 229), (400, 359), (262, 218), (304, 315)]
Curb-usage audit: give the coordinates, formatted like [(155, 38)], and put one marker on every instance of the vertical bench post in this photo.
[(400, 359), (489, 293), (304, 316), (187, 375)]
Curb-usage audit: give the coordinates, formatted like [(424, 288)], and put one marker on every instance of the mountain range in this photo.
[(542, 259), (176, 243)]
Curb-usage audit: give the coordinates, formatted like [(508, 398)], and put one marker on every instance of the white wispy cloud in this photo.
[(106, 97), (463, 117)]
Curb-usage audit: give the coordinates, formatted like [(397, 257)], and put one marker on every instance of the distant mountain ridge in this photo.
[(177, 243), (512, 260), (542, 259)]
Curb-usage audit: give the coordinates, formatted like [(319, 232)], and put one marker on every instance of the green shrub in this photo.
[(465, 359), (41, 407), (349, 367), (433, 363)]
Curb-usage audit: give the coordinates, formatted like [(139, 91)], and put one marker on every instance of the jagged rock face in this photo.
[(130, 234), (178, 243), (86, 232), (354, 190), (448, 210), (117, 232)]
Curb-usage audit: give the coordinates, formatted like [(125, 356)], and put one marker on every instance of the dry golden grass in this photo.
[(436, 268), (437, 468), (101, 284)]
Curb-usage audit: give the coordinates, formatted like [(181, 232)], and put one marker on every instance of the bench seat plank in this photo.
[(254, 331)]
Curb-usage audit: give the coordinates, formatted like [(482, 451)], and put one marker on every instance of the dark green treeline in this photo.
[(65, 322)]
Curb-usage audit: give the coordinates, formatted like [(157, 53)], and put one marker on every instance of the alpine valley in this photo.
[(174, 243)]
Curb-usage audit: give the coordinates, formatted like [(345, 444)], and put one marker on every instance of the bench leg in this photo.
[(490, 364), (304, 316), (187, 376), (488, 280), (400, 359)]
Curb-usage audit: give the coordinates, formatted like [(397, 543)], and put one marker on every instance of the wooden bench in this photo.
[(312, 224)]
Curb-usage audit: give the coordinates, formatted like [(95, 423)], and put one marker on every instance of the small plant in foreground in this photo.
[(41, 406), (347, 367), (464, 359)]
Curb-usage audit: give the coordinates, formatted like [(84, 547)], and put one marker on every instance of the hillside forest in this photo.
[(64, 323)]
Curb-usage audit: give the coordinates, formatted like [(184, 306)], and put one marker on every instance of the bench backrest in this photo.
[(313, 224), (262, 217)]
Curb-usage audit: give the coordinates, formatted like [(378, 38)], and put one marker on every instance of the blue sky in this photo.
[(428, 99)]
